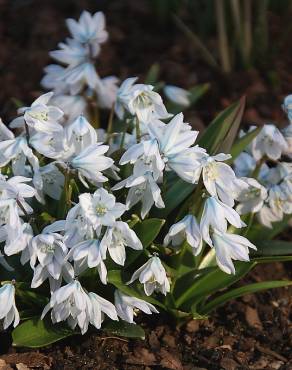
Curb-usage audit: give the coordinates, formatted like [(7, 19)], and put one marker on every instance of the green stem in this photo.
[(29, 218), (138, 131), (110, 123)]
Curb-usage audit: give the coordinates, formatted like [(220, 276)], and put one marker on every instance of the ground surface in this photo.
[(250, 333)]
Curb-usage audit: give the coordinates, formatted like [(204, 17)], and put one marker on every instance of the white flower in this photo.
[(251, 199), (126, 306), (287, 132), (72, 105), (140, 100), (287, 106), (153, 276), (17, 240), (77, 227), (80, 134), (89, 28), (220, 180), (230, 247), (279, 201), (175, 140), (101, 306), (70, 303), (266, 216), (50, 251), (40, 116), (186, 229), (123, 96), (244, 164), (107, 92), (88, 254), (91, 161), (215, 215), (269, 142), (177, 95), (9, 213), (116, 238), (8, 310), (5, 133), (52, 79), (15, 188), (147, 191), (101, 208), (53, 181)]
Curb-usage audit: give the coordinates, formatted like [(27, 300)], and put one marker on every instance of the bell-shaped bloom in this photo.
[(9, 213), (91, 162), (49, 250), (126, 306), (215, 216), (17, 239), (89, 28), (220, 180), (153, 276), (8, 310), (279, 201), (174, 141), (87, 254), (52, 80), (53, 181), (101, 306), (107, 92), (40, 116), (72, 105), (71, 303), (269, 142), (101, 208), (177, 95), (116, 238), (80, 134), (266, 216), (287, 106), (77, 227), (244, 164), (230, 247), (251, 199), (123, 96), (186, 229)]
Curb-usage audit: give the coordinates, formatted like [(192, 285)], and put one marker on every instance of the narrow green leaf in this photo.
[(174, 196), (152, 75), (211, 283), (198, 91), (123, 329), (39, 333), (220, 134), (238, 292), (241, 144), (273, 248), (148, 230)]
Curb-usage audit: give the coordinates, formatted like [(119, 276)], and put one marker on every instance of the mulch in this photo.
[(253, 332)]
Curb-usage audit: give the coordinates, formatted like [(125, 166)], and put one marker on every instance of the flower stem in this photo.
[(110, 123), (138, 131)]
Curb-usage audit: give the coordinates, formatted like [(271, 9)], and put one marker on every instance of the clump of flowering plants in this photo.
[(146, 215)]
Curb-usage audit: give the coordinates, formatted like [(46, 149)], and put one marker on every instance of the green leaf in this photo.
[(273, 248), (174, 196), (238, 292), (148, 230), (197, 92), (39, 333), (241, 144), (211, 283), (123, 329), (152, 75), (221, 133)]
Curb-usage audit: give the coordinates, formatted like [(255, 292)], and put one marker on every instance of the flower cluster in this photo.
[(71, 194)]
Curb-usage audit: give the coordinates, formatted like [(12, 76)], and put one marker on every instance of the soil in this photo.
[(254, 332)]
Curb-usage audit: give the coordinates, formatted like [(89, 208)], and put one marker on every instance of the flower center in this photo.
[(101, 210), (41, 116), (47, 248)]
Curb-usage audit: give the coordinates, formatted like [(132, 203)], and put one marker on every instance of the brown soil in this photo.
[(251, 333)]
